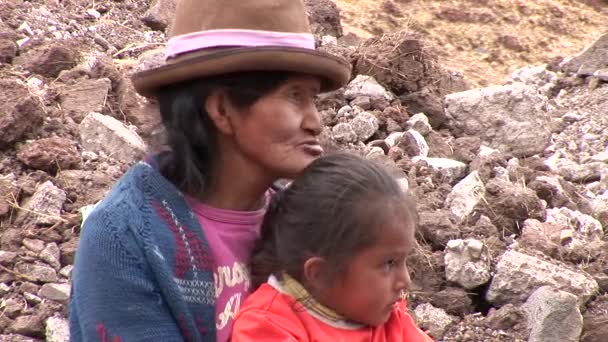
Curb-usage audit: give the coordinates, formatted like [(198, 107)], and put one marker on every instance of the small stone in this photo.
[(66, 271), (344, 132), (365, 125), (414, 144), (38, 272), (420, 123), (345, 111), (100, 132), (20, 112), (11, 307), (466, 195), (328, 40), (393, 126), (553, 315), (393, 139), (84, 97), (51, 254), (601, 74), (433, 320), (56, 292), (57, 330), (160, 14), (7, 258), (33, 245), (4, 289), (8, 51), (363, 102), (27, 325), (50, 154), (364, 85), (93, 13), (44, 207), (452, 170), (467, 263), (32, 298)]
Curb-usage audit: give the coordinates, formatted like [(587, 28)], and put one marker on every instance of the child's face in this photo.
[(375, 279)]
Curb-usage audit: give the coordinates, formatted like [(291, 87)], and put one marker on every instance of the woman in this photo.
[(163, 257)]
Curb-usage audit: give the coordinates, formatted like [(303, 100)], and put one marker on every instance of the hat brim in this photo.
[(334, 71)]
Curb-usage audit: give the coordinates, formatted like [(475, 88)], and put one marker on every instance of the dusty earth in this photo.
[(484, 39), (60, 61)]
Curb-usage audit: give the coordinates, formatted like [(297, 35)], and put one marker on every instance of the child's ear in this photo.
[(315, 272)]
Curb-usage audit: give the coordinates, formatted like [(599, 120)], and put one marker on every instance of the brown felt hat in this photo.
[(217, 37)]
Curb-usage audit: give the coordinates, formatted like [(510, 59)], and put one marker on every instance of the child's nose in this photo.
[(403, 279)]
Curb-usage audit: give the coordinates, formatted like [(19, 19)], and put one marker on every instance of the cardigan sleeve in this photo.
[(114, 295)]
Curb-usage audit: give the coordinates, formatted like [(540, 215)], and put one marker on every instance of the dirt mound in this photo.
[(485, 40)]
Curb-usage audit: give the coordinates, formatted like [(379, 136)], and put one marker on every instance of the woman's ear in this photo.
[(219, 108), (315, 272)]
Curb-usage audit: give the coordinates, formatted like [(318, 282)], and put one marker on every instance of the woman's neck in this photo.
[(236, 185)]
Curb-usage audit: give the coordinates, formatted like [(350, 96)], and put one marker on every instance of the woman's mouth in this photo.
[(312, 148)]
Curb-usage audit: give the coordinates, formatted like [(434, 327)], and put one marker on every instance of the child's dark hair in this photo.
[(327, 212)]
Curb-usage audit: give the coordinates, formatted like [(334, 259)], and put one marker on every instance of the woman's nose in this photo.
[(312, 120)]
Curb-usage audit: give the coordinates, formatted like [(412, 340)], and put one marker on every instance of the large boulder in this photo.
[(511, 118)]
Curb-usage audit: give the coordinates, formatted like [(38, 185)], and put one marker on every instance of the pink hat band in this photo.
[(242, 38)]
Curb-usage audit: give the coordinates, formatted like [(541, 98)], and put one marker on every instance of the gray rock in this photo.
[(434, 321), (466, 195), (536, 76), (56, 292), (85, 97), (393, 139), (420, 122), (52, 255), (44, 207), (510, 118), (57, 329), (452, 170), (364, 85), (7, 258), (38, 272), (344, 132), (365, 125), (12, 306), (467, 263), (324, 17), (414, 144), (100, 132), (32, 298), (590, 60), (518, 275), (160, 14), (363, 102), (27, 325), (33, 245), (553, 315)]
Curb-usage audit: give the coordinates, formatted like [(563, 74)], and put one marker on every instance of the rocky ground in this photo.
[(510, 180)]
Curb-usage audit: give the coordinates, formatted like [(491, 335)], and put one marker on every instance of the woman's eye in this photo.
[(390, 263)]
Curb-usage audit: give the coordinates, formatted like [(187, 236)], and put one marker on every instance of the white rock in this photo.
[(403, 184), (589, 227), (420, 123), (451, 169), (57, 330), (434, 321), (344, 132), (421, 145), (100, 132), (467, 263), (466, 195), (329, 41), (66, 271), (345, 111), (44, 207), (485, 151), (365, 125), (553, 315), (393, 139), (364, 85), (511, 118), (518, 275), (32, 298), (93, 13)]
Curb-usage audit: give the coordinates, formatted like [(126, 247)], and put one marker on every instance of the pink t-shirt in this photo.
[(231, 236)]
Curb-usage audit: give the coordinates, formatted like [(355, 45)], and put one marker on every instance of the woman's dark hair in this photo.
[(191, 134), (329, 211)]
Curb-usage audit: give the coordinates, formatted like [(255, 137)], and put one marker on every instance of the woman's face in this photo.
[(279, 132)]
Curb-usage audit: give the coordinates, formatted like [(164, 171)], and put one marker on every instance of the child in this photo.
[(332, 257)]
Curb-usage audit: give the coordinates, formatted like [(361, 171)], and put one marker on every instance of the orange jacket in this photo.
[(269, 316)]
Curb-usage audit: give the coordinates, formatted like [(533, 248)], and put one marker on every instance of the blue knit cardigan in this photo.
[(143, 269)]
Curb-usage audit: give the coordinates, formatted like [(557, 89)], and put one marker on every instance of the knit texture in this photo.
[(143, 269)]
